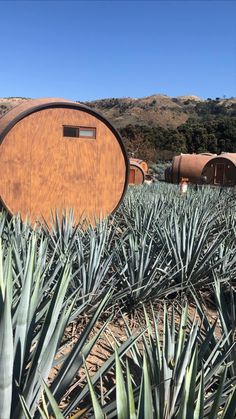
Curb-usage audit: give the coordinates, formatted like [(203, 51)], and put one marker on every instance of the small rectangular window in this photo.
[(70, 132), (87, 132), (79, 132)]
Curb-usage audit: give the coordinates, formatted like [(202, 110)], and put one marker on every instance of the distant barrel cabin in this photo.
[(205, 168), (137, 173), (221, 170), (57, 155), (187, 166), (141, 163)]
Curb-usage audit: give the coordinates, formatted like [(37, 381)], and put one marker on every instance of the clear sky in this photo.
[(85, 50)]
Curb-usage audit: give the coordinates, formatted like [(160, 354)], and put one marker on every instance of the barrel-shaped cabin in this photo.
[(141, 163), (220, 170), (57, 155), (136, 173), (187, 166)]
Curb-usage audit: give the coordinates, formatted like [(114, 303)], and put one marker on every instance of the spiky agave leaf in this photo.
[(98, 414), (6, 342)]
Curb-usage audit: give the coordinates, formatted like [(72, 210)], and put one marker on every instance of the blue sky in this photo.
[(98, 49)]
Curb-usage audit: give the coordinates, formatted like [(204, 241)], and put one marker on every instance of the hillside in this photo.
[(158, 126), (153, 110), (157, 110)]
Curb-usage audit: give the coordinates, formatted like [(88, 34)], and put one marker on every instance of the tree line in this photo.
[(213, 135)]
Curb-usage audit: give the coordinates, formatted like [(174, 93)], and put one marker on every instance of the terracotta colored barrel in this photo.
[(188, 166), (136, 174), (57, 155), (221, 170), (141, 163), (226, 154)]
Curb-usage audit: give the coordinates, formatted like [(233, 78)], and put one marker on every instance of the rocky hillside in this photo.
[(153, 110), (156, 110), (158, 126)]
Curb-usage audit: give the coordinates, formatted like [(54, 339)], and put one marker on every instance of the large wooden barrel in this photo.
[(136, 174), (220, 170), (59, 155), (187, 166)]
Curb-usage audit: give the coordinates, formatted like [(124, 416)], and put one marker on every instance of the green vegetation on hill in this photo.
[(195, 136), (212, 134), (215, 108), (157, 127)]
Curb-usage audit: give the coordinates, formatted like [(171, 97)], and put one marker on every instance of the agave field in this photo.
[(131, 319)]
